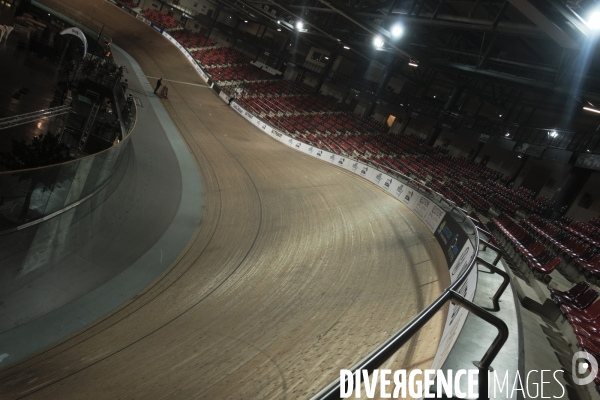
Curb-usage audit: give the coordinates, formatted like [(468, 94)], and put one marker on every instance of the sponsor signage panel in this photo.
[(379, 178), (451, 237), (409, 196), (156, 27), (224, 96), (422, 207), (388, 183), (455, 320), (433, 217)]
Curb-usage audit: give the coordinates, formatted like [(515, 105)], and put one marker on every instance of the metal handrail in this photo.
[(503, 286), (393, 344), (495, 248)]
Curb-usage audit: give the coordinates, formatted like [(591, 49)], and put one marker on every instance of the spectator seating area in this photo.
[(272, 106), (274, 88), (292, 107), (574, 248), (340, 122), (162, 20), (221, 56), (192, 40), (237, 73), (585, 230), (581, 308), (532, 251)]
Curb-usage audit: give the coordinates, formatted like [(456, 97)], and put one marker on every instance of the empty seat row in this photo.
[(532, 251), (583, 313), (237, 73), (581, 253), (221, 56), (163, 20), (127, 3), (191, 40)]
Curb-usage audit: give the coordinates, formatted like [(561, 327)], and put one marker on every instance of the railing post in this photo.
[(495, 347), (495, 248), (503, 286)]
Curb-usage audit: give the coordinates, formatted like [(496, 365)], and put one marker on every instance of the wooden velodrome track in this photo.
[(298, 269)]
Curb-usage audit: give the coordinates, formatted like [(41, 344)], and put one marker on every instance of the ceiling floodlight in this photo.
[(553, 134), (591, 109), (346, 47), (593, 21), (378, 42), (299, 25), (397, 31), (413, 63)]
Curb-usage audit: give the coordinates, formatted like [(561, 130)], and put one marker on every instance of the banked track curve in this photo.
[(297, 269)]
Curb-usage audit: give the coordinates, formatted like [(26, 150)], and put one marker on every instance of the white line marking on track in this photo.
[(185, 83)]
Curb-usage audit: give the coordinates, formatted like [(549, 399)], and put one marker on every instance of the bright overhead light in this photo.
[(500, 115), (246, 21), (299, 25), (591, 109), (278, 21), (520, 156), (397, 31), (346, 47), (413, 63), (434, 96), (507, 134), (327, 58), (553, 134), (593, 21), (378, 42), (278, 30)]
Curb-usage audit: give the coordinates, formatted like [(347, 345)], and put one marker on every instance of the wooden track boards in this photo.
[(298, 269)]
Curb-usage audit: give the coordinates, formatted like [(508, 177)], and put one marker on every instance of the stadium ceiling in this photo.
[(539, 45)]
